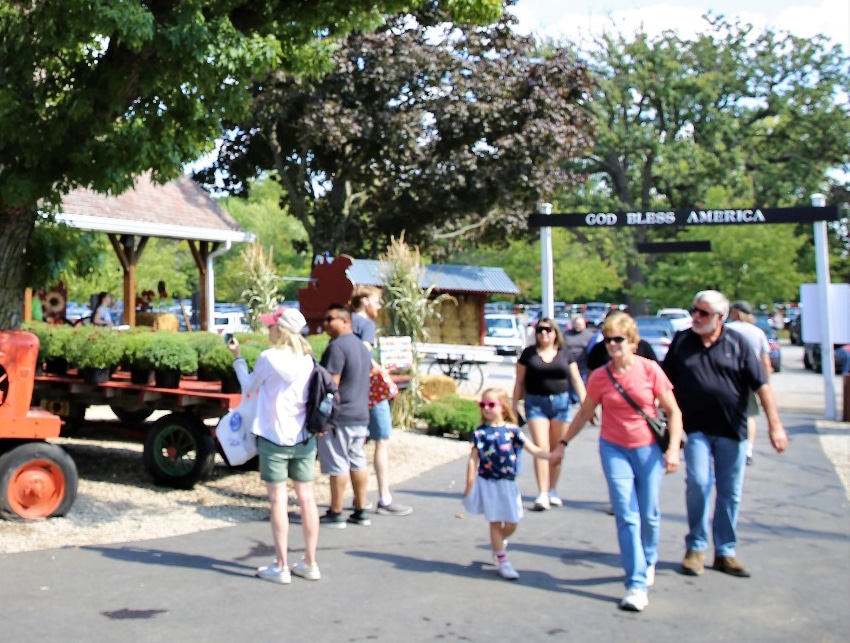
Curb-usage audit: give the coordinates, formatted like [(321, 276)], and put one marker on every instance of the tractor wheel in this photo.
[(37, 480)]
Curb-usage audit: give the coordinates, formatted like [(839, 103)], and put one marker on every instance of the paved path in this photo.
[(429, 576)]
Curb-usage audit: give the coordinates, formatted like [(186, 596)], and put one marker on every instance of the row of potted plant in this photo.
[(141, 348)]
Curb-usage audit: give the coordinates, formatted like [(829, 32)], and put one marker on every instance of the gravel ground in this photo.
[(118, 502)]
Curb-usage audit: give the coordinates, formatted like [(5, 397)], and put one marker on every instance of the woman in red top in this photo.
[(631, 459)]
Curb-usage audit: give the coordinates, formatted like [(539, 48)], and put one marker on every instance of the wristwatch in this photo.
[(565, 443)]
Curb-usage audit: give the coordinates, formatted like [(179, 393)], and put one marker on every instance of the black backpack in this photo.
[(322, 401)]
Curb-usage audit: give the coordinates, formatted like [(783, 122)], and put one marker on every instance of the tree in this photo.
[(93, 94), (444, 131), (756, 116)]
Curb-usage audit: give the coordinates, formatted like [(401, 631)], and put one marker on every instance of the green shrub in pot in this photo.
[(217, 361), (167, 351), (96, 347), (135, 339)]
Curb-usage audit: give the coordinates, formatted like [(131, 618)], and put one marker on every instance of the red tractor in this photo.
[(37, 479)]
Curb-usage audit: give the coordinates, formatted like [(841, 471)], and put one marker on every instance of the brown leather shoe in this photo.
[(730, 565), (694, 563)]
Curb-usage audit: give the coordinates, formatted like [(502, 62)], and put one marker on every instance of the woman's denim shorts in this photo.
[(547, 407)]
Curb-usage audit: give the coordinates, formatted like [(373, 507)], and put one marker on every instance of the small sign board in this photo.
[(395, 353)]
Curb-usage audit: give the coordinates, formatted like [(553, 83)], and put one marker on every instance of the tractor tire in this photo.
[(37, 480)]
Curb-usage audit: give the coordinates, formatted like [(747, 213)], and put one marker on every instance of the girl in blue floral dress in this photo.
[(491, 487)]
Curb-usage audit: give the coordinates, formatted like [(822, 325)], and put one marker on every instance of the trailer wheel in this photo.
[(133, 417), (37, 480), (179, 450)]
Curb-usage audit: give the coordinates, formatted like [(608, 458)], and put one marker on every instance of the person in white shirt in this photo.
[(287, 450), (743, 321)]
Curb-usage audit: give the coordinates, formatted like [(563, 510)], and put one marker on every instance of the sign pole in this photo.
[(826, 350), (547, 274)]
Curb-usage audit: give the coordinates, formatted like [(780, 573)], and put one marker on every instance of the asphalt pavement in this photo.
[(429, 576)]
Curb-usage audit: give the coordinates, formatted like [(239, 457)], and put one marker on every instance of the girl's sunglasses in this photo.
[(614, 340), (489, 405)]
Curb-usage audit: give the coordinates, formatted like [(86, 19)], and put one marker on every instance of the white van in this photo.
[(504, 333)]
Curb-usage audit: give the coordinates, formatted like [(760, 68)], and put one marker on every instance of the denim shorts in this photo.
[(381, 421), (547, 407)]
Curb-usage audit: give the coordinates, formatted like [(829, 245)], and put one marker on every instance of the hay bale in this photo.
[(436, 386)]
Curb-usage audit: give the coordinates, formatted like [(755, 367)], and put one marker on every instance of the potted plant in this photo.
[(168, 356), (204, 343), (217, 363), (97, 351), (52, 342), (134, 341)]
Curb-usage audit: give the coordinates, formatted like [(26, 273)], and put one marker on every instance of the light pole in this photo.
[(827, 356), (546, 271)]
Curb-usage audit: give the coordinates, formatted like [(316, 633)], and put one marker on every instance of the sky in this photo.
[(578, 20)]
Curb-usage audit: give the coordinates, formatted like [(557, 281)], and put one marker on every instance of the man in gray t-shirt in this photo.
[(341, 453), (743, 322)]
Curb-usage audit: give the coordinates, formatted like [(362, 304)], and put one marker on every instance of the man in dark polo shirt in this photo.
[(712, 369), (341, 453)]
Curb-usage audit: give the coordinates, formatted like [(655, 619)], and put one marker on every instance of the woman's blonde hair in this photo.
[(623, 323), (503, 398), (294, 342)]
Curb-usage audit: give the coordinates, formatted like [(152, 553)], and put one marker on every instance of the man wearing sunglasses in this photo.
[(713, 369), (341, 453)]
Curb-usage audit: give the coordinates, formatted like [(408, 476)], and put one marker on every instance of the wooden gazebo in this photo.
[(180, 209)]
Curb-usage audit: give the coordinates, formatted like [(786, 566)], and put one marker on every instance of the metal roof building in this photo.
[(443, 277)]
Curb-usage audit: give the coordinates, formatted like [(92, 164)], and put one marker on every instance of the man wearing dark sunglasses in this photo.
[(341, 453), (713, 369)]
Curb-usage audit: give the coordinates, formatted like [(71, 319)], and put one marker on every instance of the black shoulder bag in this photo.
[(658, 426)]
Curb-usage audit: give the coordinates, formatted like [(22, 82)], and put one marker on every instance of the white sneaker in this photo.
[(636, 600), (650, 576), (541, 502), (310, 572), (554, 500), (507, 571), (274, 574)]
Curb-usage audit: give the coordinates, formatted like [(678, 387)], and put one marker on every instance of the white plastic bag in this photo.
[(234, 431)]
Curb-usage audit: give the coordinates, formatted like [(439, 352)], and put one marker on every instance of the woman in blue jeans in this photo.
[(631, 459), (543, 375)]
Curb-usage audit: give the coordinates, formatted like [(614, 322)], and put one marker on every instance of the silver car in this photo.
[(658, 331)]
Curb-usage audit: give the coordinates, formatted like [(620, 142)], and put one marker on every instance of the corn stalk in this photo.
[(261, 295), (408, 305)]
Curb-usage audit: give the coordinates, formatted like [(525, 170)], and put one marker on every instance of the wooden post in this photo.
[(27, 304)]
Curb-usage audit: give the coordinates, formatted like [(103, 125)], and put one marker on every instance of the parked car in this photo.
[(680, 317), (658, 331), (504, 333), (564, 323), (230, 322), (795, 330), (812, 358), (763, 322), (595, 311)]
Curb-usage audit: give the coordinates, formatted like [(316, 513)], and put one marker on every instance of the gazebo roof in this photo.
[(180, 209)]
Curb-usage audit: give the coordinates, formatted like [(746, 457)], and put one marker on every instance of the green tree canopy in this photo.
[(94, 94), (758, 117), (443, 131)]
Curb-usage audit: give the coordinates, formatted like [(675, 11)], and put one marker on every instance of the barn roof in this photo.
[(443, 277)]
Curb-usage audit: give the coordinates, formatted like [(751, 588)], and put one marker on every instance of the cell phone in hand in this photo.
[(228, 337)]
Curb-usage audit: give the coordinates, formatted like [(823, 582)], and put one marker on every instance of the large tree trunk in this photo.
[(16, 227)]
